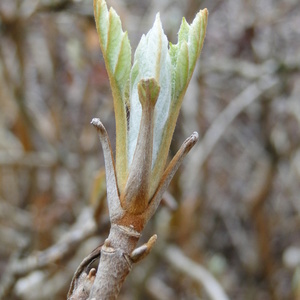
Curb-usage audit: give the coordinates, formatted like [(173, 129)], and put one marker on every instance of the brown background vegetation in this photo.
[(238, 213)]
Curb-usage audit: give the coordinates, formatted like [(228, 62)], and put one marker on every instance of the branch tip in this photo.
[(142, 251), (195, 136), (96, 122), (191, 140), (189, 143), (98, 125), (152, 240)]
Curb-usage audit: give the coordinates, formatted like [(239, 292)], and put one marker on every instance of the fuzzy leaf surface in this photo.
[(151, 60)]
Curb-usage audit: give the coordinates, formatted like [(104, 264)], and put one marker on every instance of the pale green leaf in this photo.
[(194, 42), (183, 33), (115, 47), (101, 18), (116, 52), (182, 69), (114, 39), (183, 59), (123, 65), (193, 35), (173, 51), (151, 60)]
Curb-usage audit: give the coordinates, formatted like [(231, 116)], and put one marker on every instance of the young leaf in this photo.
[(184, 56), (151, 60), (183, 33), (116, 51), (182, 70)]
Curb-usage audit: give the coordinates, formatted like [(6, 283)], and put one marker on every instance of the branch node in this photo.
[(129, 231)]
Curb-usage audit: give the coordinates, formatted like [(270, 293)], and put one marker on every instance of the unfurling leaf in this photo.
[(183, 56), (116, 52), (151, 60), (155, 60)]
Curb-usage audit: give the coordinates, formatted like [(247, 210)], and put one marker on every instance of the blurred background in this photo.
[(230, 224)]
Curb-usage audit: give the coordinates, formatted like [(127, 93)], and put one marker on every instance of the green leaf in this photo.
[(195, 36), (116, 52), (101, 18), (123, 65), (183, 56), (173, 53), (114, 39), (183, 33), (192, 36), (183, 36), (182, 69)]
